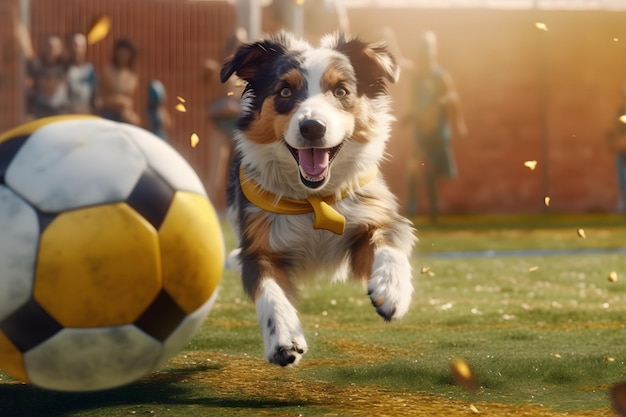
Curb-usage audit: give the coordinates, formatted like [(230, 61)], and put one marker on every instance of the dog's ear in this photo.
[(373, 64), (251, 57)]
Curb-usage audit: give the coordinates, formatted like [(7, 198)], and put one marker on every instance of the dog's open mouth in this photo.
[(314, 163)]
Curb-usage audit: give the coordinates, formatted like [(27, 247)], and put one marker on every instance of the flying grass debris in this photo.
[(533, 268), (546, 201), (581, 233), (99, 30), (182, 100), (194, 140), (531, 165), (613, 276), (541, 26), (180, 107), (462, 374), (427, 271)]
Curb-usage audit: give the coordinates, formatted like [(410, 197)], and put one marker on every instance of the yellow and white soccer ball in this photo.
[(110, 253)]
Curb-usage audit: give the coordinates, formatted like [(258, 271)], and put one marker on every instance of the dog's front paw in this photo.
[(282, 332), (288, 354), (390, 287)]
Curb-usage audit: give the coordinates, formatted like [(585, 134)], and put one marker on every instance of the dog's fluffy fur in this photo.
[(334, 99)]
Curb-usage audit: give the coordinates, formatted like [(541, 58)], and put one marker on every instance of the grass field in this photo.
[(544, 336)]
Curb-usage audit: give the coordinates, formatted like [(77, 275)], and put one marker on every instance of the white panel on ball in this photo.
[(185, 330), (19, 238), (170, 165), (92, 359), (76, 163)]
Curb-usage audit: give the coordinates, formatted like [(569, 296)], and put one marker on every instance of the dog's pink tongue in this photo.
[(313, 161)]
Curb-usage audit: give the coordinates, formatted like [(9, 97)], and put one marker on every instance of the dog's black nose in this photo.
[(312, 129)]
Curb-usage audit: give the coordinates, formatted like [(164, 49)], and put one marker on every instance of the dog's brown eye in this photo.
[(285, 92), (340, 92)]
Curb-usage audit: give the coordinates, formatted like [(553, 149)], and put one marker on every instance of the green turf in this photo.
[(506, 316)]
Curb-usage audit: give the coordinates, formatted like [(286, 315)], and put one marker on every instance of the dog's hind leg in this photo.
[(282, 332)]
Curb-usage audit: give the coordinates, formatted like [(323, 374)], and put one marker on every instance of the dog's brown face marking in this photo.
[(337, 73), (364, 119), (267, 125), (340, 75), (338, 81), (292, 79), (271, 121)]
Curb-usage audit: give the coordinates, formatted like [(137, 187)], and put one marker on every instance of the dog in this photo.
[(305, 196)]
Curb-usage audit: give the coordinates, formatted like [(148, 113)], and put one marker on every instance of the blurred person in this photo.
[(81, 76), (159, 120), (119, 84), (617, 144), (435, 113), (46, 88), (224, 113)]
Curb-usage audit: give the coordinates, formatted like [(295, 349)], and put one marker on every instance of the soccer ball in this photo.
[(110, 253)]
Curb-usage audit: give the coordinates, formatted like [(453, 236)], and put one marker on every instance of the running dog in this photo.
[(305, 194)]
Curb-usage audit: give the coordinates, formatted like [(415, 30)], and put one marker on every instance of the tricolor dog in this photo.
[(306, 196)]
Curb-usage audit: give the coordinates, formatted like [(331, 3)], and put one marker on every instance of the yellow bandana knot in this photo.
[(325, 217)]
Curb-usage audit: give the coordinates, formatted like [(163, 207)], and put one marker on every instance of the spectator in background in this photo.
[(435, 113), (223, 112), (159, 121), (617, 144), (119, 84), (81, 76), (46, 88)]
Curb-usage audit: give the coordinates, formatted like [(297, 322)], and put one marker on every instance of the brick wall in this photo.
[(10, 63), (527, 95), (173, 39)]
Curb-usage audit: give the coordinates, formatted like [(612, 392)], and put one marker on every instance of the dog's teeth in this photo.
[(306, 177)]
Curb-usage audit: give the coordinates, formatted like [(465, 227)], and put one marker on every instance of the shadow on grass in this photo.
[(167, 388)]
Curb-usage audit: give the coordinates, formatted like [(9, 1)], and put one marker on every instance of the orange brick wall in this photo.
[(527, 95), (10, 63), (173, 39)]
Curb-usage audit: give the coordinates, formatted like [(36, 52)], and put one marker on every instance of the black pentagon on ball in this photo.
[(29, 325), (8, 150), (151, 197), (45, 219), (162, 317)]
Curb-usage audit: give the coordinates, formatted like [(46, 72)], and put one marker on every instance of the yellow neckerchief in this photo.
[(325, 217)]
